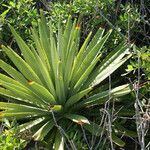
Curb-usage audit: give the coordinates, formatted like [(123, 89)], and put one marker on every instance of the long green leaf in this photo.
[(21, 108), (118, 141), (109, 69), (21, 91), (102, 97), (46, 76), (59, 141), (77, 119), (93, 128), (30, 124), (42, 92), (80, 55), (91, 56), (75, 98), (85, 75), (60, 86), (96, 39), (109, 63), (23, 67), (13, 72), (43, 131), (26, 51)]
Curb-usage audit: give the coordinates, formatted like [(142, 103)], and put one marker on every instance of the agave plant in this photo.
[(55, 78)]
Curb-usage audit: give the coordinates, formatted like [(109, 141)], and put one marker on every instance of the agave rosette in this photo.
[(50, 82)]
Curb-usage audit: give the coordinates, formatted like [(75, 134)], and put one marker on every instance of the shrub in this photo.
[(53, 82), (9, 137)]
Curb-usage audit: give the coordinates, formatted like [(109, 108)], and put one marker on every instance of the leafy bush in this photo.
[(9, 137), (54, 83), (19, 14)]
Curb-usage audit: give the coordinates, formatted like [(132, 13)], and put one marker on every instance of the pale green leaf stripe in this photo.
[(60, 42), (51, 38), (66, 36), (59, 141), (11, 86), (21, 108), (75, 98), (21, 91), (45, 75), (68, 66), (30, 124), (25, 110), (44, 39), (13, 72), (85, 75), (42, 92), (64, 42), (44, 24), (8, 93), (20, 115), (77, 119), (39, 48), (120, 50), (23, 47), (91, 56), (71, 56), (43, 131), (122, 90), (109, 70), (29, 94), (96, 49), (21, 95), (103, 96), (60, 89), (80, 55), (96, 39), (54, 57), (54, 60), (27, 53), (7, 79), (95, 99), (24, 68), (72, 36), (40, 70)]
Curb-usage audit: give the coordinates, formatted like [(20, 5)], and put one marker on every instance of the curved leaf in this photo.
[(77, 119)]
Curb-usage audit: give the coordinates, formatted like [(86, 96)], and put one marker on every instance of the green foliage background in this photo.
[(129, 19)]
